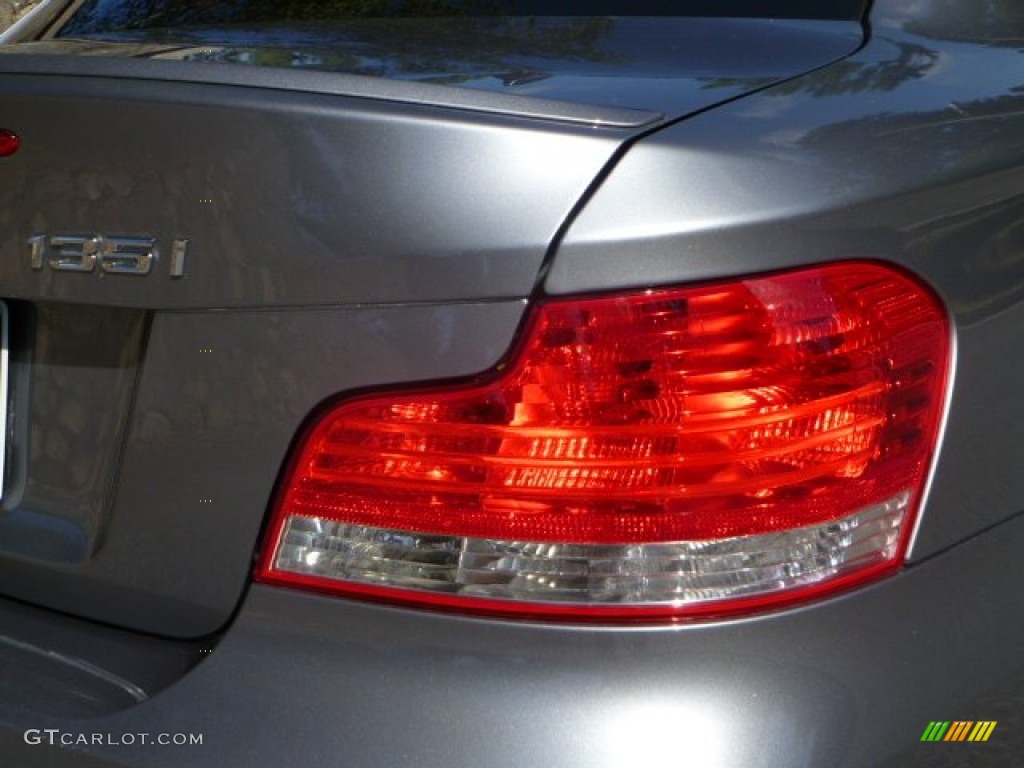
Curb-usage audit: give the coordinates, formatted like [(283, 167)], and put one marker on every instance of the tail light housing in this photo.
[(9, 142), (661, 454)]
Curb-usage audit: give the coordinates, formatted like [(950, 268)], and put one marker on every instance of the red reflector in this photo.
[(9, 143), (688, 450)]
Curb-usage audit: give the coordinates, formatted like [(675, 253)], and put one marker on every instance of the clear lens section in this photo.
[(676, 574)]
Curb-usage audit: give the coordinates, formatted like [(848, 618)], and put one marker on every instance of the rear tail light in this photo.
[(662, 454), (9, 143)]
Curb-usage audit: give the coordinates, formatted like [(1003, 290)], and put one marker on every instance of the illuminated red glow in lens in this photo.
[(9, 143), (685, 414)]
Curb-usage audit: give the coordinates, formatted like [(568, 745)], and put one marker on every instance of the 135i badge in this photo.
[(115, 255)]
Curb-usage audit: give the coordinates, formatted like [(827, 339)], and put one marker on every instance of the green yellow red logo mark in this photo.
[(958, 730)]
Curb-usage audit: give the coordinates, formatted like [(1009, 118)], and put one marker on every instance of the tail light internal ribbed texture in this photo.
[(658, 454)]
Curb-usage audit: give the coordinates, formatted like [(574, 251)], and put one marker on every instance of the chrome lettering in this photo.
[(114, 254), (39, 249), (74, 253), (178, 253), (127, 255)]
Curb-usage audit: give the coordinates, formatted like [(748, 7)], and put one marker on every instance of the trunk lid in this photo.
[(196, 255)]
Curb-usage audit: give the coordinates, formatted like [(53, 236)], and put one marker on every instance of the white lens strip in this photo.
[(673, 574)]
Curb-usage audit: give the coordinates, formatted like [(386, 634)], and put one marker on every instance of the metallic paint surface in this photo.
[(911, 151), (619, 70), (286, 199)]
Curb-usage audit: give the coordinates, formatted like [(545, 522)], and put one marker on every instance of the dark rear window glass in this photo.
[(101, 17)]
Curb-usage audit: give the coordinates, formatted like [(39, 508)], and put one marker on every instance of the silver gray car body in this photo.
[(348, 231)]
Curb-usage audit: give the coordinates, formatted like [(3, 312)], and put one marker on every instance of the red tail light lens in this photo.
[(693, 450), (9, 143)]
